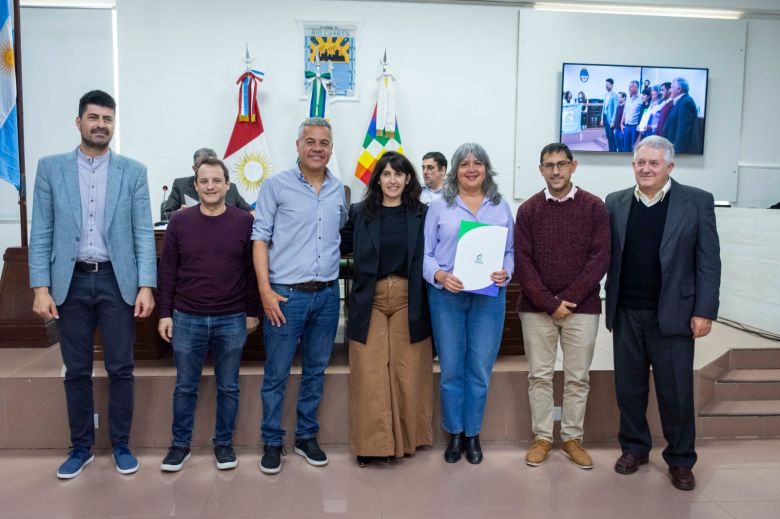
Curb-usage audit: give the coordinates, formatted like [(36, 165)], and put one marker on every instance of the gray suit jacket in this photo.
[(186, 186), (56, 225), (690, 258)]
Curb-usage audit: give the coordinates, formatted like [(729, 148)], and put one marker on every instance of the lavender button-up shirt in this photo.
[(93, 180), (442, 225)]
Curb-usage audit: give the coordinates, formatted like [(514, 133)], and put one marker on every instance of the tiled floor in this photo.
[(736, 479)]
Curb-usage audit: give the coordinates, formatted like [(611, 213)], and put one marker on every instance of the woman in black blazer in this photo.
[(390, 358)]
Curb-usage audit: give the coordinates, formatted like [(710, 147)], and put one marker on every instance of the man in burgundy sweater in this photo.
[(666, 95), (208, 298), (562, 246)]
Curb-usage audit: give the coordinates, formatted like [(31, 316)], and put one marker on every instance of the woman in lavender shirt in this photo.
[(467, 327)]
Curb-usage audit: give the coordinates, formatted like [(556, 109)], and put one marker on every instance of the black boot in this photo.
[(473, 450), (454, 449)]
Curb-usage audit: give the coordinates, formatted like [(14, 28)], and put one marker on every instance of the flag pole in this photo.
[(248, 59), (20, 123)]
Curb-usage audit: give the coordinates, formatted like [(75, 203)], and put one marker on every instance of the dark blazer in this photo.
[(186, 186), (690, 258), (361, 236), (682, 126)]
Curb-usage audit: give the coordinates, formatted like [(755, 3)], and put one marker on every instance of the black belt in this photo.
[(92, 266), (311, 286)]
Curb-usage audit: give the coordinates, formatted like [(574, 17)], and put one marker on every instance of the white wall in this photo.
[(454, 65), (759, 166), (750, 253)]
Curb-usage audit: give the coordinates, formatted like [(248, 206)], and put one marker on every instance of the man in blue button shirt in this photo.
[(296, 256), (631, 115)]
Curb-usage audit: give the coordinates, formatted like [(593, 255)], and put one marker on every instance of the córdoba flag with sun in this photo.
[(247, 157)]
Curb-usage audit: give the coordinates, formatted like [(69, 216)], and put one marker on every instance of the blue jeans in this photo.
[(192, 337), (94, 300), (312, 319), (467, 328), (629, 137), (620, 138)]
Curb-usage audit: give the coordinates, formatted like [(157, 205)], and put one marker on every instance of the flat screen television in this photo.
[(609, 108)]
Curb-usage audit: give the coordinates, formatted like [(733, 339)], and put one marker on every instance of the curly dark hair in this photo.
[(372, 200)]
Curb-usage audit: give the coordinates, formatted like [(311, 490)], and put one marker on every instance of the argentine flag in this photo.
[(9, 143)]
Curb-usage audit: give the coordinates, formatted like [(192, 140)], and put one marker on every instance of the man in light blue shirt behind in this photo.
[(296, 256), (631, 114)]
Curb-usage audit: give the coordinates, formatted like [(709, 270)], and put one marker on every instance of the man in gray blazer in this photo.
[(662, 293), (91, 248)]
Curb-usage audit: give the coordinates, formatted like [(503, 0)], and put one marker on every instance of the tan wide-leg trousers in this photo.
[(390, 380)]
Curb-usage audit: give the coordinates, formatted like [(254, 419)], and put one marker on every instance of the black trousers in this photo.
[(94, 299), (638, 345)]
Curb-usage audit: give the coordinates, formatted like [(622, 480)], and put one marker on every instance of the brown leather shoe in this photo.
[(628, 463), (537, 454), (579, 456), (682, 478)]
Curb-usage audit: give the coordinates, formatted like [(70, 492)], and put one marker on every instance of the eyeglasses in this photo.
[(549, 167)]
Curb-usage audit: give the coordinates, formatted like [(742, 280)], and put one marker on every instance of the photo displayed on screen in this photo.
[(609, 108)]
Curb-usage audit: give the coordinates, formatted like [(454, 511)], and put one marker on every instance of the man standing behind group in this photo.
[(434, 167), (184, 187), (91, 248), (561, 254), (662, 294), (632, 112), (608, 114), (296, 258), (207, 300)]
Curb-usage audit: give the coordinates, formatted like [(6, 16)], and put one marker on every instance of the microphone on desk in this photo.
[(164, 215)]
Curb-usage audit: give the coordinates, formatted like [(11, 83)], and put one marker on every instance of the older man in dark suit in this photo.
[(662, 294), (682, 125)]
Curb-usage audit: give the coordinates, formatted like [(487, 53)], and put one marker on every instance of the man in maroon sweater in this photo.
[(666, 95), (208, 299), (561, 253)]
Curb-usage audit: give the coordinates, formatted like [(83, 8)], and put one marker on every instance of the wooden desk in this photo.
[(512, 338)]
